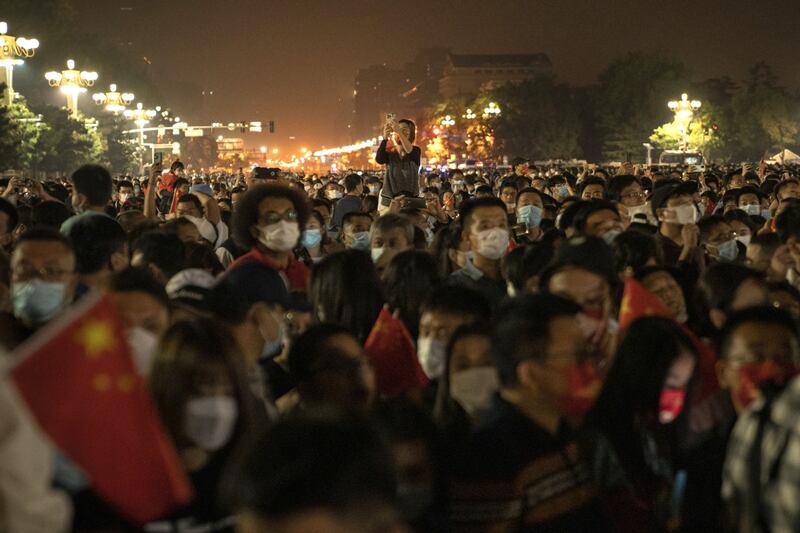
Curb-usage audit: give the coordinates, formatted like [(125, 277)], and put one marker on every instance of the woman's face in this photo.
[(404, 129), (313, 223)]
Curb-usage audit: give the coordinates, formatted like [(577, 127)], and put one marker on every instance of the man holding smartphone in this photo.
[(401, 158)]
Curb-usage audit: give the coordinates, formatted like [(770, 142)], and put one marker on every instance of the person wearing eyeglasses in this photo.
[(268, 221), (43, 282)]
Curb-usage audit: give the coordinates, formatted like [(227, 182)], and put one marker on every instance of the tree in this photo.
[(120, 148), (19, 135), (631, 100), (199, 152), (539, 119), (65, 143), (702, 135)]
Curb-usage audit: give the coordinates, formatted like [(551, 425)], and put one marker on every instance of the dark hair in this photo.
[(42, 233), (707, 224), (764, 315), (446, 239), (351, 182), (633, 249), (526, 262), (720, 281), (569, 213), (507, 184), (769, 241), (138, 279), (50, 213), (521, 331), (11, 211), (345, 290), (468, 207), (591, 180), (201, 255), (124, 183), (312, 346), (370, 203), (175, 166), (348, 217), (619, 184), (408, 279), (531, 190), (246, 214), (740, 216), (163, 250), (189, 197), (95, 239), (589, 209), (94, 182), (321, 460), (780, 185), (633, 387), (411, 126), (191, 351), (458, 300), (787, 224), (748, 189)]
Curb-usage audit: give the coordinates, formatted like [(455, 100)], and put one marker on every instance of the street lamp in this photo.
[(684, 110), (11, 50), (469, 114), (448, 121), (72, 83), (140, 117), (492, 110), (114, 101), (263, 150)]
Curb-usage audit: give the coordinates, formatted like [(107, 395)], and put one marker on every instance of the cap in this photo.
[(191, 287), (588, 253), (663, 193), (202, 188), (253, 282)]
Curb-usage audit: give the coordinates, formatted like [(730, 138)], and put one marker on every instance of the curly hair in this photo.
[(245, 215)]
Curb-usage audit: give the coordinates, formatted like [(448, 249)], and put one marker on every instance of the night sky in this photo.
[(295, 61)]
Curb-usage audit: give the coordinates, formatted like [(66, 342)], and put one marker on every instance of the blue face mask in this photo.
[(37, 301), (728, 250), (530, 215), (752, 209), (360, 241), (766, 213), (311, 238), (562, 191)]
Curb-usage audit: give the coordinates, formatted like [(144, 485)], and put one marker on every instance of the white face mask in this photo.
[(123, 198), (492, 243), (744, 239), (210, 421), (143, 346), (281, 236), (431, 354), (684, 214), (643, 209), (376, 254), (473, 389)]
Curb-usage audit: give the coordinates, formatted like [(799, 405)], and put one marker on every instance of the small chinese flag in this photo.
[(638, 302), (79, 381), (394, 359)]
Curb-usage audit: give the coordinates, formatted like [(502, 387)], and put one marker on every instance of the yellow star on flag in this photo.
[(96, 336), (626, 308)]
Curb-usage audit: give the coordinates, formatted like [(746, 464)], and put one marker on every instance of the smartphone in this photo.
[(158, 158), (416, 203), (390, 117)]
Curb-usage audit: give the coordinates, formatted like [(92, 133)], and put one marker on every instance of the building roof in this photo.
[(499, 60)]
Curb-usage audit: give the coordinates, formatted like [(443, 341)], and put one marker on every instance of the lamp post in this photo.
[(140, 117), (12, 49), (114, 101), (684, 110), (491, 111), (469, 114), (72, 83)]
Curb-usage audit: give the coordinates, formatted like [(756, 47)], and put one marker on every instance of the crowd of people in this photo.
[(537, 397)]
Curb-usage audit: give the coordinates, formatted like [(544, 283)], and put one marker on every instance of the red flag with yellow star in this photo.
[(79, 381), (391, 351), (638, 302)]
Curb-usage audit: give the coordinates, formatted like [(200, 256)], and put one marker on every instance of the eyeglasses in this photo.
[(273, 217), (25, 273), (634, 195)]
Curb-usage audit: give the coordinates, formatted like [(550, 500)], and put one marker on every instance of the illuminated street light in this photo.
[(492, 110), (72, 83), (141, 117), (684, 110), (448, 121), (469, 115), (12, 49), (275, 151), (114, 101)]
